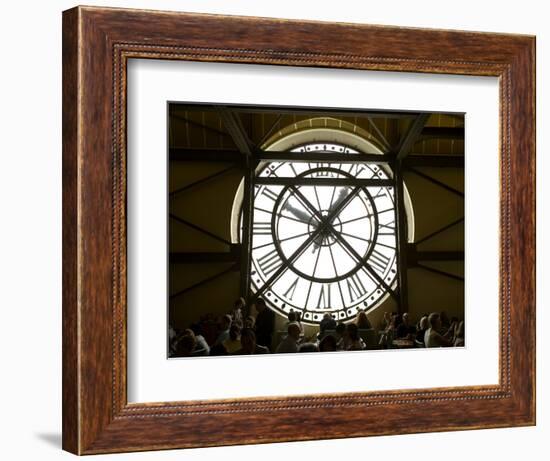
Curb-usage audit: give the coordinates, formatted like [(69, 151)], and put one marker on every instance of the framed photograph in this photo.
[(279, 230)]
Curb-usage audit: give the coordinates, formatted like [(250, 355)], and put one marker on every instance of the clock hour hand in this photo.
[(301, 215), (342, 194), (304, 217)]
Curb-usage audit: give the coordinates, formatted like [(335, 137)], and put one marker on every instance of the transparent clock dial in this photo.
[(320, 248)]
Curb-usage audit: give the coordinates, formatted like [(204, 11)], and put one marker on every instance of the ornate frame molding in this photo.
[(97, 43)]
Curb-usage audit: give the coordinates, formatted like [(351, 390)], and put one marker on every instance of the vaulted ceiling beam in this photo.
[(414, 255), (440, 272), (233, 255), (308, 111), (234, 126), (232, 268), (200, 125), (440, 230), (308, 181), (325, 157), (408, 140), (437, 182), (224, 155)]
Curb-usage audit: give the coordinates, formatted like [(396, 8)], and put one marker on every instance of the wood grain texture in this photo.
[(70, 382), (97, 42)]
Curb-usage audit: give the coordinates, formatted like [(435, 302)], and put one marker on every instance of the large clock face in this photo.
[(323, 241)]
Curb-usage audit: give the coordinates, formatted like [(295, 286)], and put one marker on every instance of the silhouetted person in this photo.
[(328, 344), (202, 344), (404, 329), (339, 335), (173, 335), (459, 337), (294, 317), (445, 323), (290, 343), (225, 324), (185, 345), (328, 323), (397, 319), (249, 345), (308, 347), (238, 311), (250, 322), (265, 323), (385, 322), (233, 343), (362, 321), (352, 340), (453, 329), (423, 325), (217, 350), (299, 320), (188, 345), (432, 337)]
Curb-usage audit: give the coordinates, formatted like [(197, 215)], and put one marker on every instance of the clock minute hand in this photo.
[(342, 194), (301, 215)]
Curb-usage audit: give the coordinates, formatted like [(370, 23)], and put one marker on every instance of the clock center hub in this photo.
[(326, 236)]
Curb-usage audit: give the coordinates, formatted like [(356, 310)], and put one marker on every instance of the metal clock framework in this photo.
[(323, 234)]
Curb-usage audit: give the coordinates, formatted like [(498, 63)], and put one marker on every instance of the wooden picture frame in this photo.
[(97, 43)]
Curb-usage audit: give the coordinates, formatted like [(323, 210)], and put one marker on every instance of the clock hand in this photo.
[(342, 194), (301, 215), (305, 218)]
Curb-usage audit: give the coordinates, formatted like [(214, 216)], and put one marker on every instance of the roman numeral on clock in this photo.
[(262, 228), (289, 294), (378, 261), (269, 194), (322, 173), (270, 262), (386, 229), (356, 289), (324, 296), (381, 193)]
